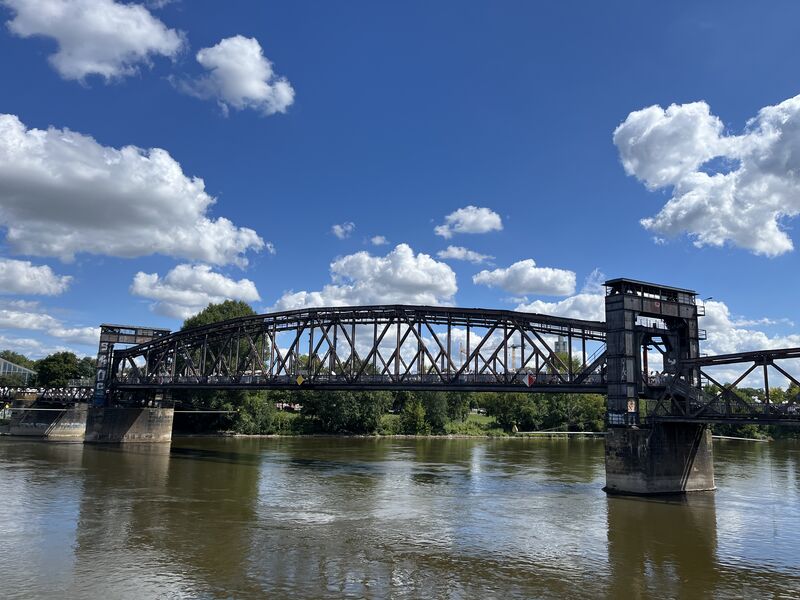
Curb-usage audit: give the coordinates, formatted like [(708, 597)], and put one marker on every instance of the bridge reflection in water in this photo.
[(310, 518), (663, 546)]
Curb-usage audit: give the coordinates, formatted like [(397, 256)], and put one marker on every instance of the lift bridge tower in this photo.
[(650, 456)]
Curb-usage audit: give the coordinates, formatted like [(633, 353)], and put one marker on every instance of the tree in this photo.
[(87, 367), (792, 392), (458, 404), (57, 369), (17, 359), (412, 418), (345, 412), (401, 398), (435, 404), (574, 412), (256, 413), (13, 380), (214, 313), (513, 409)]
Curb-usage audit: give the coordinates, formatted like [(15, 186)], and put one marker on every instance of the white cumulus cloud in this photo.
[(95, 37), (343, 230), (240, 76), (470, 219), (593, 284), (62, 193), (727, 335), (401, 277), (23, 277), (187, 289), (378, 240), (461, 253), (736, 189), (591, 307), (13, 318), (33, 348), (524, 277)]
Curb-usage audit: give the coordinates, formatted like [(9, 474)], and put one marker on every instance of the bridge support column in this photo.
[(129, 424), (665, 458), (49, 421)]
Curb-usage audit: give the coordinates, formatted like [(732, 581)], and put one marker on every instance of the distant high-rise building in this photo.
[(562, 346)]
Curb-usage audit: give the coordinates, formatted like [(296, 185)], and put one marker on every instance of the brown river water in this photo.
[(386, 518)]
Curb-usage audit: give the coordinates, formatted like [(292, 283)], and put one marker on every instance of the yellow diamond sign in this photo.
[(299, 380)]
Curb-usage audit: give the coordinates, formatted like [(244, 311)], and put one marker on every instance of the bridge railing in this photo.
[(76, 394), (523, 381)]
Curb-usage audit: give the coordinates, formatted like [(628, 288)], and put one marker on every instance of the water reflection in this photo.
[(421, 518), (405, 518), (662, 547), (40, 489)]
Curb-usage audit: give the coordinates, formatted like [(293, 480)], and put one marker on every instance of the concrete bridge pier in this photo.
[(49, 421), (664, 458), (151, 423)]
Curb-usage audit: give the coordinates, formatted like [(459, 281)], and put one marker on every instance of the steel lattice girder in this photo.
[(372, 347), (698, 405)]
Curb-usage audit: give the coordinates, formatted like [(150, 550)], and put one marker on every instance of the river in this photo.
[(380, 518)]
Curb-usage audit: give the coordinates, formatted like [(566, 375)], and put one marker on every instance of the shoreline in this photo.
[(444, 436), (530, 435)]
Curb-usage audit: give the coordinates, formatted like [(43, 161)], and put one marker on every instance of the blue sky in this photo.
[(391, 116)]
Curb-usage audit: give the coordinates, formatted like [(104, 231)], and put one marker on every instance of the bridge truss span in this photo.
[(374, 347), (734, 401)]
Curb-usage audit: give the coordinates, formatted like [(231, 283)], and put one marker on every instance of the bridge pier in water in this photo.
[(118, 424), (666, 458), (49, 421), (144, 417), (649, 454)]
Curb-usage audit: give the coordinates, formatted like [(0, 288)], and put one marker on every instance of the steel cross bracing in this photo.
[(717, 401), (373, 347)]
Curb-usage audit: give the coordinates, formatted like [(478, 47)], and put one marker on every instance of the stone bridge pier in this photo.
[(666, 458), (118, 424), (49, 421)]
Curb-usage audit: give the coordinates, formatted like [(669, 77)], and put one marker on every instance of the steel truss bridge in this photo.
[(373, 347), (399, 347), (717, 401)]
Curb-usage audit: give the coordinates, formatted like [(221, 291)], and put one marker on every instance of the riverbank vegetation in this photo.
[(400, 413), (411, 413)]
